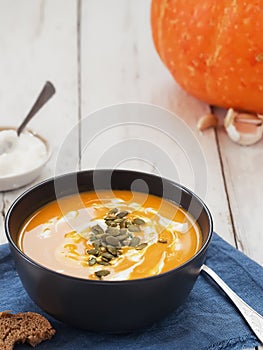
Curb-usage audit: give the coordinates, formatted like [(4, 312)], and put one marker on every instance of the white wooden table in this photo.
[(100, 53)]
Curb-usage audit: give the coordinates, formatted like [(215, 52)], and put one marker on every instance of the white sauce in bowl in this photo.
[(21, 154)]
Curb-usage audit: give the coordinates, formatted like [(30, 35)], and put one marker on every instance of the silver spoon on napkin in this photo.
[(46, 93), (253, 319)]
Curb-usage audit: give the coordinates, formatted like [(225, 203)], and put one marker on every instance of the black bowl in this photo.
[(109, 306)]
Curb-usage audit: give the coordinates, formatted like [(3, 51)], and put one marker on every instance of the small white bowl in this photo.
[(11, 182)]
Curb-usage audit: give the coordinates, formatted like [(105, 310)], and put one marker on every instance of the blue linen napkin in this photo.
[(207, 320)]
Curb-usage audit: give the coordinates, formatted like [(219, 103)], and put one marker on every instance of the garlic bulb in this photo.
[(243, 128)]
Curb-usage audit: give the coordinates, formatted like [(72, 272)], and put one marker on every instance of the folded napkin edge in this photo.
[(236, 343)]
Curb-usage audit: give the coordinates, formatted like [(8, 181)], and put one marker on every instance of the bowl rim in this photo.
[(204, 246), (48, 155)]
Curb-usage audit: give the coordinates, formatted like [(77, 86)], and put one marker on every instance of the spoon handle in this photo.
[(254, 319), (46, 93)]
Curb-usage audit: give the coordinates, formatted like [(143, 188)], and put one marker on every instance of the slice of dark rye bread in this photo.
[(23, 327)]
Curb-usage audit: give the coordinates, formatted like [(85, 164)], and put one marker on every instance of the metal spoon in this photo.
[(253, 319), (46, 93)]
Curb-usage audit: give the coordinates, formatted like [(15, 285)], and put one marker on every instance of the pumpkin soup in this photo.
[(116, 235)]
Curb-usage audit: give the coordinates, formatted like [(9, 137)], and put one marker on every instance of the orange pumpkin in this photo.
[(213, 49)]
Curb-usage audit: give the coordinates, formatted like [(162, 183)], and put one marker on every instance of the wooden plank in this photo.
[(243, 171), (119, 64), (38, 42)]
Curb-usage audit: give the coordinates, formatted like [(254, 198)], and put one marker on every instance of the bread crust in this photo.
[(23, 327)]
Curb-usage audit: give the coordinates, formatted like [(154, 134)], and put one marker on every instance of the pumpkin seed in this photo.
[(141, 246), (113, 211), (135, 241), (92, 261), (97, 229), (122, 237), (126, 242), (107, 256), (118, 221), (162, 240), (112, 250), (102, 262), (112, 241), (103, 249), (96, 244), (102, 273), (122, 214), (93, 238), (127, 223), (100, 235), (103, 237), (122, 224), (138, 221), (104, 259), (95, 252), (134, 228), (113, 231), (123, 231)]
